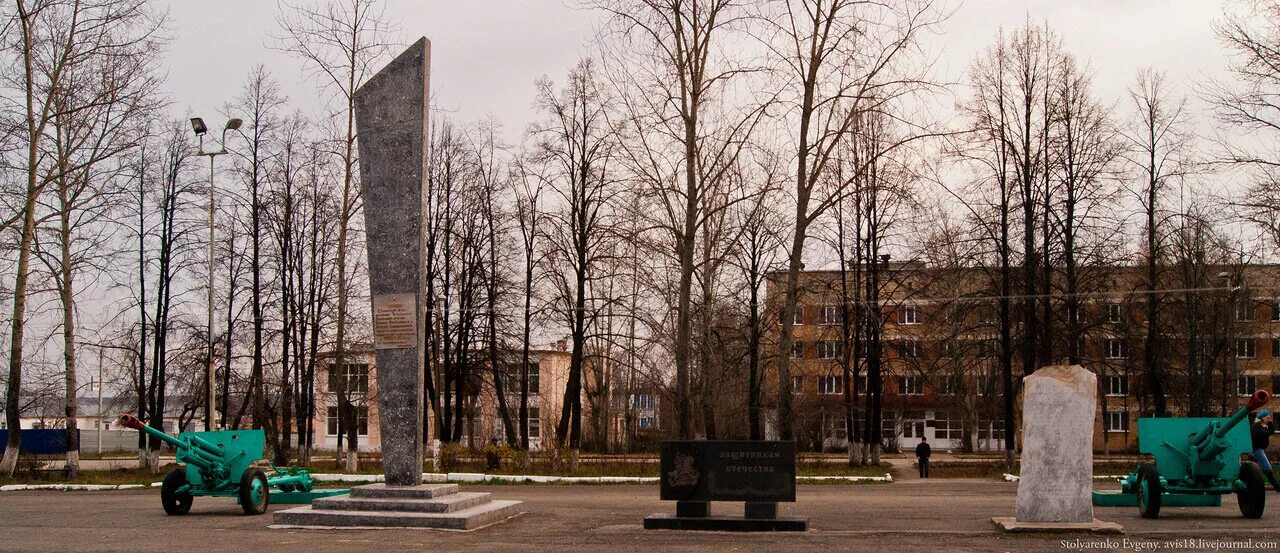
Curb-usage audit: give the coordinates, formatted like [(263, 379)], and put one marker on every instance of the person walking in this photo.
[(1261, 431), (923, 451)]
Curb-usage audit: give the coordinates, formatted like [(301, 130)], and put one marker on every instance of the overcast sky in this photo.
[(487, 53)]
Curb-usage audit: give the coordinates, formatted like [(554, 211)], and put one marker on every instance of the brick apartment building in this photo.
[(941, 369)]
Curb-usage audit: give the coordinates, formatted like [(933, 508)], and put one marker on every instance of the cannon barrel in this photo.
[(130, 421), (1208, 441), (1258, 399), (194, 449)]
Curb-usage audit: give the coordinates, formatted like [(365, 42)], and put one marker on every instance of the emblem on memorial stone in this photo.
[(684, 474)]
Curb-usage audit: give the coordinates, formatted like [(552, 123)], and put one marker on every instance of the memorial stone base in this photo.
[(439, 506), (696, 515), (1095, 526)]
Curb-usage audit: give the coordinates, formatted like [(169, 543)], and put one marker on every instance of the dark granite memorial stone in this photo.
[(760, 473)]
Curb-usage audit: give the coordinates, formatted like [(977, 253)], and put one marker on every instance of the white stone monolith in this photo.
[(1057, 445)]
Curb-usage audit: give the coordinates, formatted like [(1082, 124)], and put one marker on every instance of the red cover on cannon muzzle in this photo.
[(1258, 399), (130, 421)]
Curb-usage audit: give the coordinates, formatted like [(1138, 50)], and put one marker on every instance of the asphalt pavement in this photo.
[(909, 515)]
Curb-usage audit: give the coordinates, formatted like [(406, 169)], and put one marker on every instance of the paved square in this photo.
[(936, 515)]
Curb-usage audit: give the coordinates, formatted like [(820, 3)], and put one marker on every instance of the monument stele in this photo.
[(1058, 410), (391, 112)]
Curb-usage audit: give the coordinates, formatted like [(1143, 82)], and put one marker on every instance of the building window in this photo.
[(909, 349), (1246, 348), (797, 317), (1275, 310), (362, 421), (910, 385), (535, 423), (834, 428), (832, 315), (1117, 386), (909, 315), (1117, 422), (535, 377), (354, 375), (797, 350), (949, 428), (830, 385), (828, 350), (1244, 310), (949, 386), (1275, 347), (987, 384), (1113, 313), (989, 349), (797, 384), (913, 429), (645, 423), (888, 429), (642, 401), (1117, 349), (1246, 385), (993, 430)]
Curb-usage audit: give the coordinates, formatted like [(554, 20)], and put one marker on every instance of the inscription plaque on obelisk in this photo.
[(391, 116)]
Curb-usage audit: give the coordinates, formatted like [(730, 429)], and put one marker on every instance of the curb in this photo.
[(457, 477), (71, 487), (1014, 478)]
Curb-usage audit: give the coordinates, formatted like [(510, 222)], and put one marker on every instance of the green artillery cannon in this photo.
[(220, 464), (1195, 464)]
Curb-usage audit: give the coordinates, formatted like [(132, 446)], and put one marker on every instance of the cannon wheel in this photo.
[(175, 503), (1149, 491), (254, 492), (1253, 497)]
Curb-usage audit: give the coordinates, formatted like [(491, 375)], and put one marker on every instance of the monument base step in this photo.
[(464, 519), (668, 521), (1011, 525), (447, 504), (421, 491)]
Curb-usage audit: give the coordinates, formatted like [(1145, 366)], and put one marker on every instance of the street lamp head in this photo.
[(233, 123), (197, 124), (1224, 275)]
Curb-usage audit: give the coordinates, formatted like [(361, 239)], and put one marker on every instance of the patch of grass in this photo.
[(107, 477)]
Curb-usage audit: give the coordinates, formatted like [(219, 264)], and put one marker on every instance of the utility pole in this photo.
[(101, 425)]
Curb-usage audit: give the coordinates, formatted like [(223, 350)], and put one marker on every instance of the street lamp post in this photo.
[(197, 125)]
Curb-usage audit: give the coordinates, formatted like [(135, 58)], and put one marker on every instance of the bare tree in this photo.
[(1159, 155), (341, 44), (840, 60), (529, 218), (97, 121), (686, 141), (1249, 106), (575, 143), (258, 104), (51, 39)]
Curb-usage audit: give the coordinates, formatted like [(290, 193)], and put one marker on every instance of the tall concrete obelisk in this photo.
[(391, 116)]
